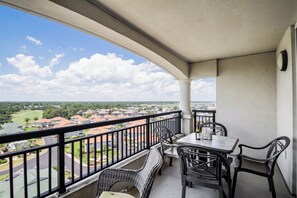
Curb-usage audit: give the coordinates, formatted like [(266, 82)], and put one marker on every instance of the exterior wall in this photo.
[(285, 109), (205, 69), (246, 98)]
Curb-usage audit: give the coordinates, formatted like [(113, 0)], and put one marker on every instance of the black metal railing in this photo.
[(202, 116), (62, 162)]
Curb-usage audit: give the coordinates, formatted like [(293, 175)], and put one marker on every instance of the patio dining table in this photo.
[(218, 143)]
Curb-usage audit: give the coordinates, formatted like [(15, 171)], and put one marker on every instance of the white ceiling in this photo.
[(197, 30)]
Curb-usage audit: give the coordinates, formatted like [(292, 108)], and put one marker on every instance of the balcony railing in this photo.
[(62, 162), (202, 116)]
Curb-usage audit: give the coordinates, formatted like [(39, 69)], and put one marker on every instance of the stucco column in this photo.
[(185, 105)]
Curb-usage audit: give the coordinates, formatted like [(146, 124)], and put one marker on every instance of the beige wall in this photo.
[(246, 98), (285, 108), (204, 69)]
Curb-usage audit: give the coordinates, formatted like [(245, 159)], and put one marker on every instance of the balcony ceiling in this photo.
[(174, 33), (202, 30)]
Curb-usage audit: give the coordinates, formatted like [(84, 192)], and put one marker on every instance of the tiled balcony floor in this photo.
[(168, 185)]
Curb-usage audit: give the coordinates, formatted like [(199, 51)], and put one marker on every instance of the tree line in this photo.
[(54, 109)]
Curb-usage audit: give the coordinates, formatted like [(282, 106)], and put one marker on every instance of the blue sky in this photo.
[(43, 60)]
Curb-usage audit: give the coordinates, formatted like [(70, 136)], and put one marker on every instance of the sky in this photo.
[(42, 60)]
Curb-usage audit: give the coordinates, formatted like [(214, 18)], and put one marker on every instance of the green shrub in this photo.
[(3, 161)]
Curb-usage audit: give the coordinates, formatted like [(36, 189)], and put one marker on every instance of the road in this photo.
[(44, 160)]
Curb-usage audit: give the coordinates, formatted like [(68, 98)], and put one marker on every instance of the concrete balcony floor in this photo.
[(168, 185)]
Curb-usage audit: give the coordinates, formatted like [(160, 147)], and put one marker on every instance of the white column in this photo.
[(185, 105)]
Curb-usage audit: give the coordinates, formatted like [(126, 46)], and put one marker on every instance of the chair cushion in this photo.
[(171, 152)]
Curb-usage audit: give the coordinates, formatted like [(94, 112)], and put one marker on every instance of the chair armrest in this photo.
[(109, 177), (252, 147), (172, 145), (254, 159)]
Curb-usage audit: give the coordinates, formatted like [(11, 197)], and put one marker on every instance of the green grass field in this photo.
[(20, 116)]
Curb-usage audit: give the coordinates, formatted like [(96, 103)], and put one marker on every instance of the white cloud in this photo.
[(34, 40), (96, 78), (203, 90), (28, 67), (56, 59)]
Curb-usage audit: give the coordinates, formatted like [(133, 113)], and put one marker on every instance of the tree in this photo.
[(175, 108), (36, 118), (88, 115), (27, 121)]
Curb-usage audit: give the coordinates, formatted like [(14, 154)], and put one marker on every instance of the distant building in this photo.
[(56, 120), (66, 123), (77, 119), (104, 139), (96, 118), (88, 112), (42, 123), (18, 145), (11, 128), (142, 113), (130, 113), (116, 113), (103, 112)]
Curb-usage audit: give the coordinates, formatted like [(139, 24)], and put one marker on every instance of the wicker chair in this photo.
[(262, 167), (142, 178), (168, 149)]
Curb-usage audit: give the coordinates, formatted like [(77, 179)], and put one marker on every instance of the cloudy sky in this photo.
[(41, 60)]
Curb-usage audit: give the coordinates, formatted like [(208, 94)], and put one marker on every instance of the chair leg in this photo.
[(170, 163), (230, 195), (234, 182), (221, 192), (271, 186), (189, 184), (184, 188)]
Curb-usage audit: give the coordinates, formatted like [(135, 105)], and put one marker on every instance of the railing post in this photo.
[(195, 120), (61, 163), (179, 121), (214, 116), (148, 133)]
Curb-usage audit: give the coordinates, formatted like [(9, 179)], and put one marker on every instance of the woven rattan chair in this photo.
[(262, 167), (168, 149), (142, 178)]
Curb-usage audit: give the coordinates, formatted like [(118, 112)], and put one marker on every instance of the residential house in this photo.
[(106, 139), (77, 119), (42, 123), (65, 123)]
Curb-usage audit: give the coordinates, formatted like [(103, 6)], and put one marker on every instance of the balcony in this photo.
[(235, 42), (120, 147)]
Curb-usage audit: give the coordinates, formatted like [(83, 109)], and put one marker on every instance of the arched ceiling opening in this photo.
[(86, 17), (176, 35)]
